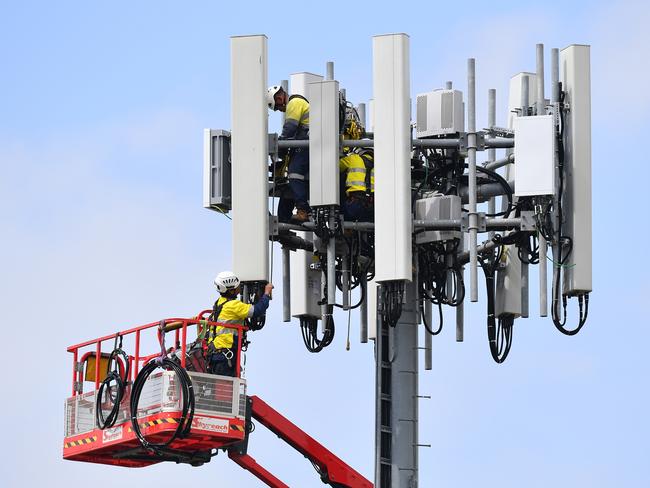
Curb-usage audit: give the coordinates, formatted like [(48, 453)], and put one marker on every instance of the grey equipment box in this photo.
[(217, 169), (434, 208)]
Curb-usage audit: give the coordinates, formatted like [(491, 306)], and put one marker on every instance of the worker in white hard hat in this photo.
[(228, 309), (296, 126)]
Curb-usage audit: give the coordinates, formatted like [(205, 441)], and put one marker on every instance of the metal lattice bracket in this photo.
[(79, 367), (273, 144), (273, 225), (463, 143), (528, 221), (481, 222)]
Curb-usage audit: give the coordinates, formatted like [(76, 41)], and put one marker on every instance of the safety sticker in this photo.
[(210, 424)]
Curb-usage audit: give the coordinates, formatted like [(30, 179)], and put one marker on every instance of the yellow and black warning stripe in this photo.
[(151, 423), (80, 442), (237, 427)]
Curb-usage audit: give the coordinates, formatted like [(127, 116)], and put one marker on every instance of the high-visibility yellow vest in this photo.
[(233, 312), (356, 172), (296, 121)]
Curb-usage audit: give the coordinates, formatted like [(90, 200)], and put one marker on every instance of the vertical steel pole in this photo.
[(525, 94), (543, 247), (539, 94), (460, 318), (363, 310), (428, 338), (329, 71), (555, 75), (286, 284), (345, 277), (286, 253), (492, 121), (471, 154), (404, 380)]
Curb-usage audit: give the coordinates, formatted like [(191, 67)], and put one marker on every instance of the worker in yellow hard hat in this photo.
[(222, 349), (296, 126)]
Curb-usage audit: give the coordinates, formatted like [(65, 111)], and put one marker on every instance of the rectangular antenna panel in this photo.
[(440, 113), (534, 155), (393, 226), (250, 155), (323, 143), (299, 83), (575, 73), (305, 282), (216, 170)]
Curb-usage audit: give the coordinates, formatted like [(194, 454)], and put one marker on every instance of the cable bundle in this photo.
[(392, 297), (434, 274), (309, 328)]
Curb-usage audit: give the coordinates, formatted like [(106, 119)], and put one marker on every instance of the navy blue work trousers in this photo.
[(298, 183)]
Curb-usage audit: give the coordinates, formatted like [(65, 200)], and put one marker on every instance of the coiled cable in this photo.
[(184, 424), (114, 385)]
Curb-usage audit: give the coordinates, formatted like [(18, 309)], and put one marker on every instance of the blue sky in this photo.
[(102, 110)]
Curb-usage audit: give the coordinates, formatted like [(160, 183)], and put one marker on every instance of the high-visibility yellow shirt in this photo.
[(355, 178), (233, 312), (296, 122)]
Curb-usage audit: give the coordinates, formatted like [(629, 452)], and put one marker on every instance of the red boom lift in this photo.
[(145, 409)]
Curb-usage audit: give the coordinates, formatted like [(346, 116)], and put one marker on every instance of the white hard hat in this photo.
[(226, 280), (270, 95)]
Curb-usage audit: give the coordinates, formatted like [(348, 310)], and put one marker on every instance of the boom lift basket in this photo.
[(219, 414)]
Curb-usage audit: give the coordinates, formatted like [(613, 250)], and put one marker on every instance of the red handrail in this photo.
[(137, 358)]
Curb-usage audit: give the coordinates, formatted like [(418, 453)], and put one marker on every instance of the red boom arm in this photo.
[(333, 470)]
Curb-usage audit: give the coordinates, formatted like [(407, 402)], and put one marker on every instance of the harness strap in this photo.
[(214, 317)]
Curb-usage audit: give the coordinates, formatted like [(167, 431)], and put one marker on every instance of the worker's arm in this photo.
[(259, 309), (344, 163)]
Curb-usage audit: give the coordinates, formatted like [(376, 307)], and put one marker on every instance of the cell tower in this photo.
[(428, 201)]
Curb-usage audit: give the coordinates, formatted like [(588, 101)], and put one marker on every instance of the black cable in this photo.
[(309, 329), (116, 392), (428, 326), (499, 332), (187, 410)]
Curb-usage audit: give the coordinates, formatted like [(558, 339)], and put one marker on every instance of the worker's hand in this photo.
[(268, 289)]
